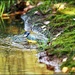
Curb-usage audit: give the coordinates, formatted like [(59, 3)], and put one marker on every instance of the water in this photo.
[(17, 55), (31, 26), (20, 61)]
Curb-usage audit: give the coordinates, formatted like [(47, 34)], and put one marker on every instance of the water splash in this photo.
[(35, 31)]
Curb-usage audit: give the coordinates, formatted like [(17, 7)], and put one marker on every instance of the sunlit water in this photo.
[(17, 56), (20, 61), (14, 57)]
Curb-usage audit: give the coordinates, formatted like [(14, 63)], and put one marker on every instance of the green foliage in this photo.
[(2, 25), (2, 7), (65, 43), (5, 5), (48, 6), (70, 62)]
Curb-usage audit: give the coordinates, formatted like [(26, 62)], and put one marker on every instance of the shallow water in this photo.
[(20, 61), (17, 56), (17, 60)]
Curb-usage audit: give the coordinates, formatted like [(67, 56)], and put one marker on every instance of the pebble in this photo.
[(73, 69), (65, 69), (64, 60), (46, 22), (73, 58)]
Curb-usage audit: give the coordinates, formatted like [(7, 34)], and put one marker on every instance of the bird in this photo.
[(38, 37), (31, 32)]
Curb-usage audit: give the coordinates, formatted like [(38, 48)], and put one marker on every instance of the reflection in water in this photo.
[(13, 30), (10, 26), (12, 63), (21, 62), (18, 61)]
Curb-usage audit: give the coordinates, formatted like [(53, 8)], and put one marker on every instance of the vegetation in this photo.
[(60, 20)]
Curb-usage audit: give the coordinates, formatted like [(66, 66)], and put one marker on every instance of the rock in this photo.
[(74, 19), (73, 69), (73, 58), (46, 22), (65, 69), (42, 54), (49, 67), (64, 60)]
